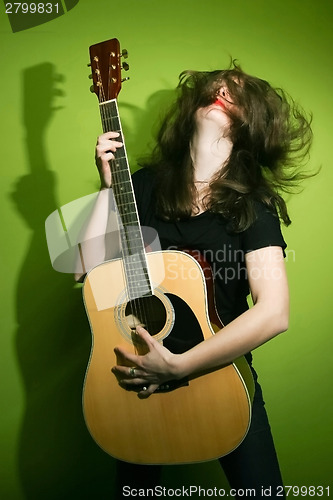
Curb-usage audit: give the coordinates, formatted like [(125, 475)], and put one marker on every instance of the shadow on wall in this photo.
[(57, 458)]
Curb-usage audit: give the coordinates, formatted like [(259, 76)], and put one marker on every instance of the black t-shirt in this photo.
[(208, 234)]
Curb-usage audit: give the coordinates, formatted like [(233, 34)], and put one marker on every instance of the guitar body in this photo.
[(203, 419)]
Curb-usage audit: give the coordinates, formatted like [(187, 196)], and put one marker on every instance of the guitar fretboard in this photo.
[(134, 255)]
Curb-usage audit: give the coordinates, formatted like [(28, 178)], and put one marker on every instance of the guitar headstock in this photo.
[(106, 66)]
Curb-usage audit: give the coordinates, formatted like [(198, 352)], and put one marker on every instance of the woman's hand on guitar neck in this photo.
[(149, 370), (105, 148)]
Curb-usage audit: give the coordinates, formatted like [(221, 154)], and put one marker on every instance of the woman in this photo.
[(224, 152)]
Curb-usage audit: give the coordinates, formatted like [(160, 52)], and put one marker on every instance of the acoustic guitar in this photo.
[(196, 419)]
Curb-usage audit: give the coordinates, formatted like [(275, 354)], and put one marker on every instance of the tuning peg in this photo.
[(125, 66), (92, 89), (124, 54), (89, 64), (90, 76), (125, 79)]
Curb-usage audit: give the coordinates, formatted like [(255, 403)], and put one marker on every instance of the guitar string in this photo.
[(107, 126), (137, 306), (115, 186), (139, 303)]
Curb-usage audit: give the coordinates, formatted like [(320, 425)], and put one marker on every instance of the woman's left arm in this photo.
[(267, 318)]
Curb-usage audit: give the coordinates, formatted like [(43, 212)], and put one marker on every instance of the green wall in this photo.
[(49, 124)]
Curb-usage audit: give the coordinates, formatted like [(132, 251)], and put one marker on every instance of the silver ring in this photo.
[(132, 372)]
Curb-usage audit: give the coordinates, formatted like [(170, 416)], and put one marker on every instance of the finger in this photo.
[(105, 147), (107, 135), (144, 335), (110, 146), (127, 356), (126, 382), (126, 372), (133, 382), (104, 159), (147, 391), (108, 138)]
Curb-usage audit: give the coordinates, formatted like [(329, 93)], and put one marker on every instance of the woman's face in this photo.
[(217, 113), (223, 98)]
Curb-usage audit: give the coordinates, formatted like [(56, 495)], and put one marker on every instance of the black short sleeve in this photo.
[(143, 183), (264, 232)]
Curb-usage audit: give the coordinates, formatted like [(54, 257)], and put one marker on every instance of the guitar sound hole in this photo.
[(148, 312)]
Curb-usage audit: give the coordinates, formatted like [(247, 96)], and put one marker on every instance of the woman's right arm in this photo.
[(99, 226)]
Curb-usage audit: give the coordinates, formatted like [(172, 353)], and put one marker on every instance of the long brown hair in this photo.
[(271, 137)]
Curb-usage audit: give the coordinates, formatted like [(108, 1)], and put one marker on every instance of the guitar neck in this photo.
[(133, 250), (120, 171)]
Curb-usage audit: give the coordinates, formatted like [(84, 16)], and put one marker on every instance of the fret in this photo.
[(120, 185), (135, 295), (120, 154), (132, 213), (135, 259), (118, 171), (130, 202), (120, 182), (134, 241), (119, 178), (124, 206), (134, 266), (120, 175), (137, 292), (128, 222), (138, 258), (131, 237), (131, 227), (132, 231), (139, 275), (136, 283), (124, 193), (119, 160), (138, 288), (132, 250), (139, 279)]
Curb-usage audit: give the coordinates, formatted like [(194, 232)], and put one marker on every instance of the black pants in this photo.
[(252, 466)]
